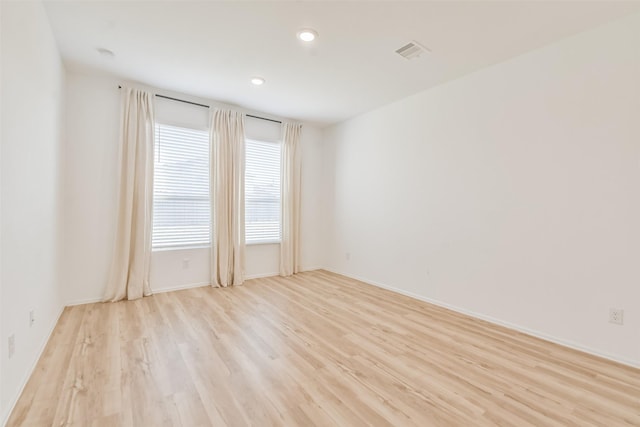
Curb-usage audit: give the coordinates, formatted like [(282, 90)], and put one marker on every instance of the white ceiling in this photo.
[(211, 49)]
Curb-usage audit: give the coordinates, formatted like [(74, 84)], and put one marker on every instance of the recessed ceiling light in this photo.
[(257, 81), (105, 52), (307, 35)]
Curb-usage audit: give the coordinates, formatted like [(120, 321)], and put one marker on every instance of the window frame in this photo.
[(279, 239), (180, 246)]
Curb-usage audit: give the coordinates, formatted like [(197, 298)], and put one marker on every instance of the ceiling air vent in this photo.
[(411, 50)]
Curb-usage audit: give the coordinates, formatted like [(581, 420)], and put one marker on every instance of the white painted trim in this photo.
[(180, 287), (43, 344), (155, 291), (187, 286), (83, 301), (534, 333), (261, 275)]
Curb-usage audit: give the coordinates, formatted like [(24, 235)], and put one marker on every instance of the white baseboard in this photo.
[(525, 330), (180, 287), (155, 291), (23, 383), (187, 286), (261, 275), (83, 301)]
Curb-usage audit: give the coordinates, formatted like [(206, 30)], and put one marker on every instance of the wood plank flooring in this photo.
[(314, 349)]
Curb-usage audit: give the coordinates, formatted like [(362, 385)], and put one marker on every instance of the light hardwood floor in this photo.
[(314, 349)]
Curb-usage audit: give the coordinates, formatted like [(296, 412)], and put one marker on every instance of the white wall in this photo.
[(90, 192), (512, 193), (2, 408), (32, 137)]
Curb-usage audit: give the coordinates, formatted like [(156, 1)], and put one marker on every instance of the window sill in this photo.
[(187, 248), (180, 248), (263, 242)]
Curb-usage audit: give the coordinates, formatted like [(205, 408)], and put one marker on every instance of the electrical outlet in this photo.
[(616, 315), (185, 263), (32, 317), (347, 256), (12, 345)]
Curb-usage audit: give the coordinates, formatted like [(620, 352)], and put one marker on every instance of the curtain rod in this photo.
[(206, 106), (263, 118)]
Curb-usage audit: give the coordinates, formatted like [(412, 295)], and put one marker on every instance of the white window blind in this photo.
[(262, 191), (181, 187)]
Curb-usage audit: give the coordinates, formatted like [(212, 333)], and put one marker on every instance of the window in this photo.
[(262, 192), (180, 188)]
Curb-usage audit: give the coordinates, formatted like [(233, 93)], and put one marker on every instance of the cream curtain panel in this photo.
[(290, 213), (227, 198), (129, 275)]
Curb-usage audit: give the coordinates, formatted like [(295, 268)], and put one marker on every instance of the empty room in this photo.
[(319, 213)]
